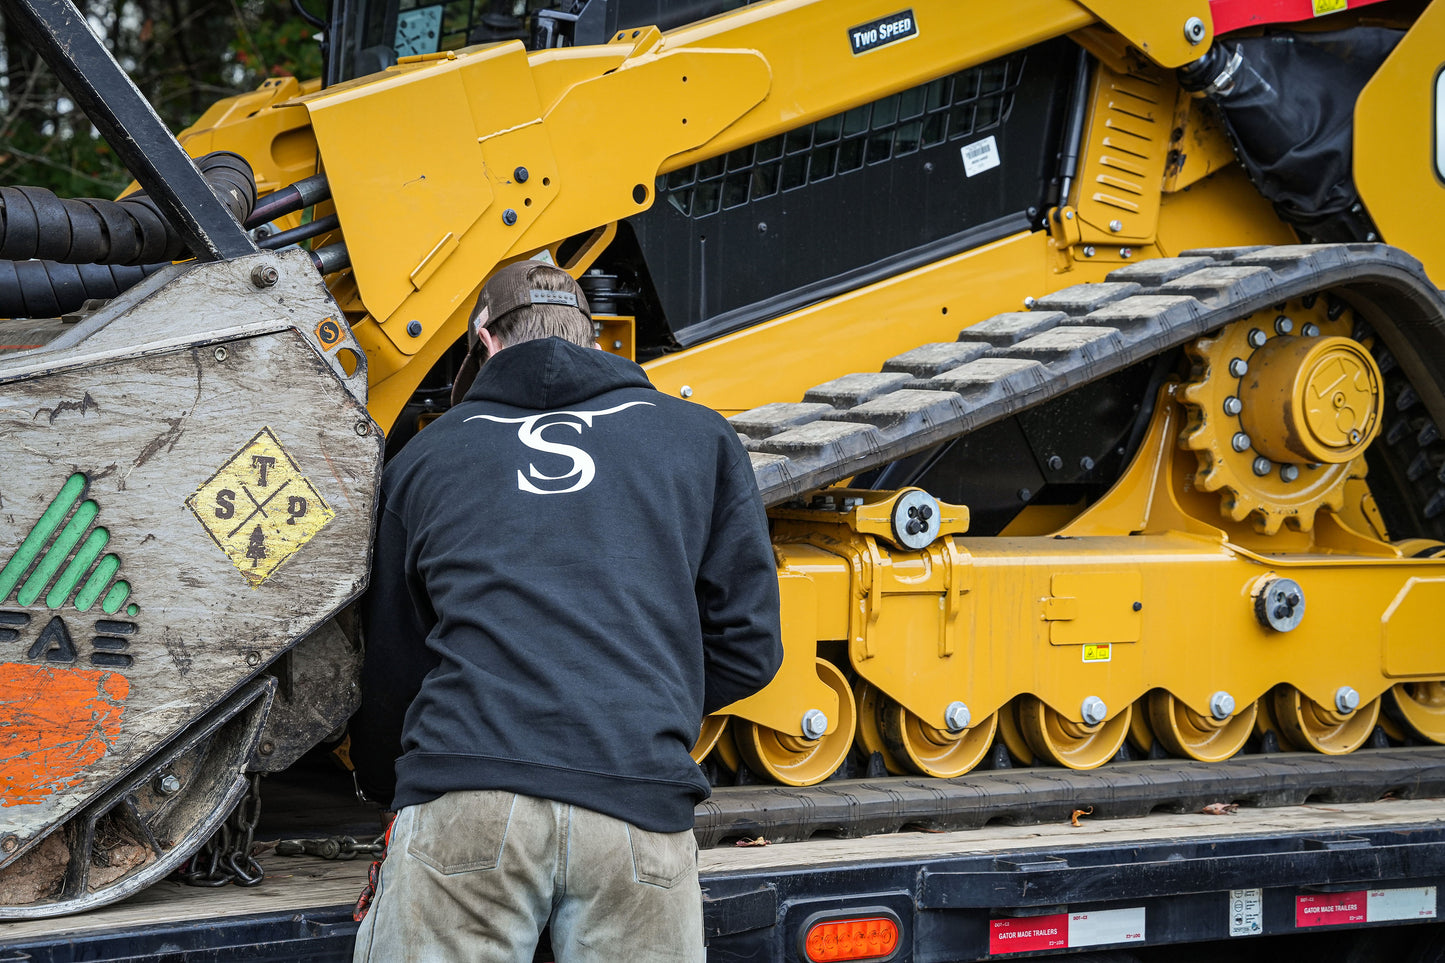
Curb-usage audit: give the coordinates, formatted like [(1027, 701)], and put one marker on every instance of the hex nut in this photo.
[(167, 784), (264, 275), (956, 717), (815, 724), (1221, 705)]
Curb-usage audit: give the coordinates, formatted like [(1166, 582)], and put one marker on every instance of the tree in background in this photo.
[(183, 55)]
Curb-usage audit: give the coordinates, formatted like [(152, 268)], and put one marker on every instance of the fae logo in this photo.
[(584, 469)]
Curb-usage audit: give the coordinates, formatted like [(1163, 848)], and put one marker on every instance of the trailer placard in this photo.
[(1364, 906), (1058, 930)]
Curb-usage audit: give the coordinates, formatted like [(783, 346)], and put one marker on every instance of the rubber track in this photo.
[(1011, 362), (860, 807)]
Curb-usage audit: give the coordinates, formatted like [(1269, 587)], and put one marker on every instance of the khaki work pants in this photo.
[(474, 876)]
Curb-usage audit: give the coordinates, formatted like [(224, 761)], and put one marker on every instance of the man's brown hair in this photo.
[(524, 317)]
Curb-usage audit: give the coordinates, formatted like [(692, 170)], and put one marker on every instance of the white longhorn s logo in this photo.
[(530, 433)]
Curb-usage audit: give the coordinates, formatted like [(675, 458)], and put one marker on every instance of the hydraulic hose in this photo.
[(48, 289), (34, 223)]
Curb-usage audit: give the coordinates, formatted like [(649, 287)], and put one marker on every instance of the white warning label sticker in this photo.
[(1246, 912), (980, 156)]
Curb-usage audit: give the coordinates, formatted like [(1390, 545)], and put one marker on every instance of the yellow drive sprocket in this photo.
[(1281, 407)]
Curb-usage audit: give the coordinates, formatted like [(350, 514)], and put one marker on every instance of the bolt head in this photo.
[(1116, 226), (1089, 251), (1347, 700), (1068, 215), (363, 429), (1238, 367), (10, 844), (1262, 465), (686, 391), (1310, 330), (520, 175), (1232, 405), (956, 717), (1283, 325), (1355, 436), (1257, 338), (1126, 252), (1240, 442), (1194, 31), (1056, 463), (1086, 463), (221, 353), (1221, 705), (509, 217), (253, 658), (168, 785), (1030, 302), (617, 346), (1289, 472), (815, 724), (1093, 710)]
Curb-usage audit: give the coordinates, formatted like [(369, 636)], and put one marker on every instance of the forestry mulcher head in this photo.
[(189, 485)]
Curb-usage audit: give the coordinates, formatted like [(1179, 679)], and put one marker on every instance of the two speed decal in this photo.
[(881, 32)]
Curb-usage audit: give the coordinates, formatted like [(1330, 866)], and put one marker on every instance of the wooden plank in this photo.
[(309, 884), (1315, 817)]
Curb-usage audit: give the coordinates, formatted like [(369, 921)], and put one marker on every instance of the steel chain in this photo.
[(226, 857), (331, 847)]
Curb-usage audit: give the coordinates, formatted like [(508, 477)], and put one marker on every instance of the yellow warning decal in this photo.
[(259, 508), (328, 332), (1098, 652), (1322, 7)]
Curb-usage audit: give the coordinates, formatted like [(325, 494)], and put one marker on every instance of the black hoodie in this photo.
[(571, 569)]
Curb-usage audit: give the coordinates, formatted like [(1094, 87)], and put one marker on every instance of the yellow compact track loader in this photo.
[(1089, 353)]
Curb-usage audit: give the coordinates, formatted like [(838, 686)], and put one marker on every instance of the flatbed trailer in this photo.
[(1352, 867)]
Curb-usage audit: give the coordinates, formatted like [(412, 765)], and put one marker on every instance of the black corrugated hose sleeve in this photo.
[(47, 289), (34, 223)]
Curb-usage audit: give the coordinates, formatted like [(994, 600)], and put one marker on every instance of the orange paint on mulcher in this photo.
[(54, 723)]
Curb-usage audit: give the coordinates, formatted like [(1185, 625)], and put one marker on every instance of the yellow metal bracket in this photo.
[(1170, 34)]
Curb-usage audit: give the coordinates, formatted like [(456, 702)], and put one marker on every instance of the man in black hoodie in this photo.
[(571, 569)]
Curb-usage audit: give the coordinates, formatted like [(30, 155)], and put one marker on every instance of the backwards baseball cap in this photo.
[(514, 286)]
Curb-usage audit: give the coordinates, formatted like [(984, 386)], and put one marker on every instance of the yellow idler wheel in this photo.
[(1012, 735), (1184, 732), (1421, 706), (935, 752), (1077, 745), (726, 749), (871, 702), (793, 760), (1141, 736), (712, 730), (1306, 724)]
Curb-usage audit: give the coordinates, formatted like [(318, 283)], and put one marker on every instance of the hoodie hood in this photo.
[(551, 373)]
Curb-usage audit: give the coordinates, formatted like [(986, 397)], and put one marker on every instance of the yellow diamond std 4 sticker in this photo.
[(259, 508)]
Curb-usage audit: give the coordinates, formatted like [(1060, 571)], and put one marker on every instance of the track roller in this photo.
[(1064, 742), (1303, 724), (1420, 706), (910, 745), (1184, 732), (794, 760)]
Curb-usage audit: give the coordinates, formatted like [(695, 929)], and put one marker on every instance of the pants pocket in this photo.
[(662, 859), (461, 832)]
